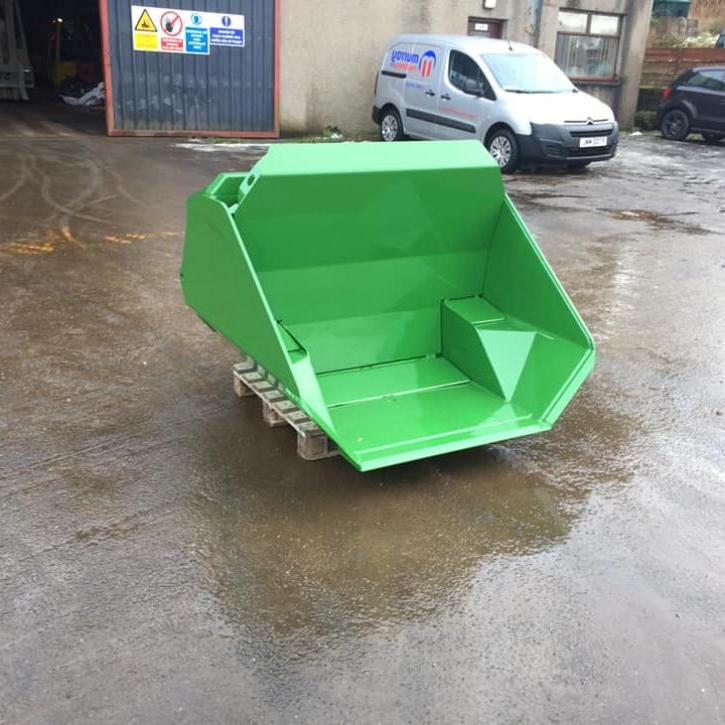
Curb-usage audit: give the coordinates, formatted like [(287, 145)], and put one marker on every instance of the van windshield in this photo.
[(527, 73)]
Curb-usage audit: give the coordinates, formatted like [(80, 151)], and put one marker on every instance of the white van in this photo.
[(509, 95)]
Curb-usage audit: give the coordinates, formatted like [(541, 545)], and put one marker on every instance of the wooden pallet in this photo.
[(250, 378)]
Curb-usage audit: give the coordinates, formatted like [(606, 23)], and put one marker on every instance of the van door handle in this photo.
[(430, 93), (445, 97)]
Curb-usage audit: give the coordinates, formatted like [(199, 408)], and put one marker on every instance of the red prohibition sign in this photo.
[(171, 23)]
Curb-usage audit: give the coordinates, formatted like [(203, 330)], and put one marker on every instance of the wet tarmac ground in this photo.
[(166, 557)]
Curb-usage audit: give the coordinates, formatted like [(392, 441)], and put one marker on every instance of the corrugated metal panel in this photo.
[(229, 90)]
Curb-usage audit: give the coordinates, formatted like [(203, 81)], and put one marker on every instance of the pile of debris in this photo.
[(96, 96)]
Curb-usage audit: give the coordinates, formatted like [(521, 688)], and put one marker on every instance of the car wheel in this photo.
[(675, 124), (391, 127), (713, 137), (504, 149)]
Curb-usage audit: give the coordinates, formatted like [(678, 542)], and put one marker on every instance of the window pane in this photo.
[(463, 68), (696, 79), (715, 79), (527, 73), (711, 79), (572, 22), (604, 25), (580, 56)]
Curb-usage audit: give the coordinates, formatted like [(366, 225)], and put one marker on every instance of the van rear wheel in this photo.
[(391, 127), (501, 144)]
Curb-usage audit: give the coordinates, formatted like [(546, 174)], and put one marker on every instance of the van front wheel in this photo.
[(501, 144), (391, 127)]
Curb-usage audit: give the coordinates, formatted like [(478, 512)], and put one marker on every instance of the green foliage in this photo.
[(645, 120)]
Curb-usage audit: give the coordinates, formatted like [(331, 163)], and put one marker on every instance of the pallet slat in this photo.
[(252, 379)]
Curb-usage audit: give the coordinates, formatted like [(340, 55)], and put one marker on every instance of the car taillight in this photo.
[(375, 90), (666, 93)]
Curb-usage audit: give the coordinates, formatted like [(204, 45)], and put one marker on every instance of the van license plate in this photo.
[(592, 141)]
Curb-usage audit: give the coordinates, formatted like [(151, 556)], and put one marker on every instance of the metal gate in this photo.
[(179, 67)]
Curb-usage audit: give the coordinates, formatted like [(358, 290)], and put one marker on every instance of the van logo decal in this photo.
[(427, 63), (403, 60)]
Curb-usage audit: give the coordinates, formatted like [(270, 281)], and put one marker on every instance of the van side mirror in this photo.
[(472, 87)]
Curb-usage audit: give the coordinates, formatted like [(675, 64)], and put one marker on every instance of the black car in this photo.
[(694, 103)]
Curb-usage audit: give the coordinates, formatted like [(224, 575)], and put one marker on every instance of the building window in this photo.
[(587, 45)]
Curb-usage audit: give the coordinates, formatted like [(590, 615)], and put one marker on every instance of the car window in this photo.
[(711, 79), (462, 68)]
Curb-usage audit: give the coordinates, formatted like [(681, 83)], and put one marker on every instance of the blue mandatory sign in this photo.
[(226, 21), (196, 19), (227, 36), (197, 41)]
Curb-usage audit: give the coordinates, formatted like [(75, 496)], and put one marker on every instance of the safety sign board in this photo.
[(171, 23), (144, 24), (227, 30), (145, 41), (197, 40), (168, 30)]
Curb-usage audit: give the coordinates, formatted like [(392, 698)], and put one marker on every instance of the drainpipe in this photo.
[(534, 15)]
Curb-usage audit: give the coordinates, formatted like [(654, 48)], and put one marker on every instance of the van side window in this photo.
[(464, 74)]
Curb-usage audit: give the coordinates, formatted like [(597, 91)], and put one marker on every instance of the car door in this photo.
[(421, 91), (466, 98), (717, 99), (706, 90)]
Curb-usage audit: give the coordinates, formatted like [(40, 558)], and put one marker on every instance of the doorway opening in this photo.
[(58, 47)]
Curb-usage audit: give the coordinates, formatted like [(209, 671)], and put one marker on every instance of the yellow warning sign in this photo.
[(144, 41), (145, 24)]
